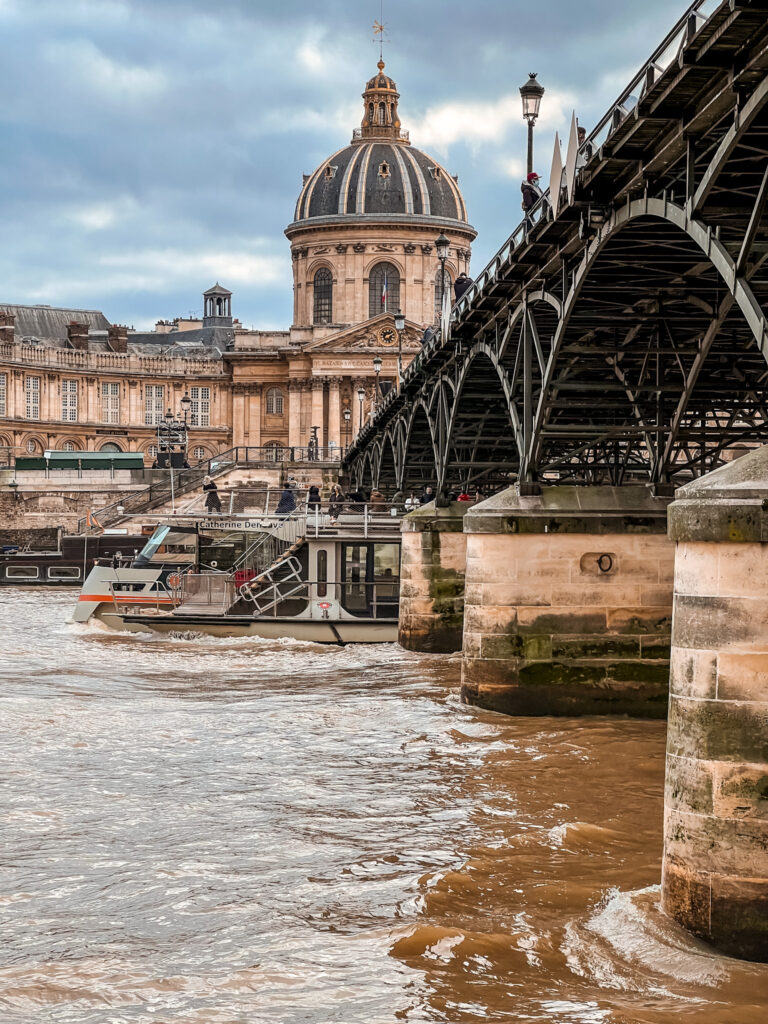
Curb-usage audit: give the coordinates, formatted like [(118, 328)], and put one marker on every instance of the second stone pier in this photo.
[(568, 602)]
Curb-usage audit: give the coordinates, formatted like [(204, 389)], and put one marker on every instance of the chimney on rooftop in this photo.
[(118, 337), (7, 326), (78, 335)]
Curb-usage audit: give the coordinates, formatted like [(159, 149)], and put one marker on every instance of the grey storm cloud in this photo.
[(154, 146)]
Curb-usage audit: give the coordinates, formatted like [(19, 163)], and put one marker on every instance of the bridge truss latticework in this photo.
[(625, 338)]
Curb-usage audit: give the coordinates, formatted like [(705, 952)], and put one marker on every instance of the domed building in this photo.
[(362, 243), (363, 233)]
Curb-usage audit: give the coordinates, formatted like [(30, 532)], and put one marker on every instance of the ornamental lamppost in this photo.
[(531, 94), (186, 405), (377, 370), (361, 399), (442, 245), (347, 426), (399, 327)]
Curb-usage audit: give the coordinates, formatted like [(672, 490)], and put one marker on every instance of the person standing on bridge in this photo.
[(461, 284), (531, 192), (287, 502)]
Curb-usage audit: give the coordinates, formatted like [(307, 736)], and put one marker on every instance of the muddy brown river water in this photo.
[(240, 831)]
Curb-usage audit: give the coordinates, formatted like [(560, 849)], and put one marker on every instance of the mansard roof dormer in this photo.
[(380, 117)]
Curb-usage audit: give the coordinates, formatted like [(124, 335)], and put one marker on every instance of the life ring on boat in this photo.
[(174, 579)]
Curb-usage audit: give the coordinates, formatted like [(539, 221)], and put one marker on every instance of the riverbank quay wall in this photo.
[(715, 869), (433, 566), (568, 602)]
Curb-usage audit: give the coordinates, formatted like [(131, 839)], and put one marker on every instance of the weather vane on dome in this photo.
[(379, 29)]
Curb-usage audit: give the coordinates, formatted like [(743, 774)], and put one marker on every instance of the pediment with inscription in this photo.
[(377, 335)]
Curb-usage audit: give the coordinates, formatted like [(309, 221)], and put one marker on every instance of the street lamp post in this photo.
[(531, 94), (361, 399), (347, 427), (442, 245), (399, 327), (377, 371)]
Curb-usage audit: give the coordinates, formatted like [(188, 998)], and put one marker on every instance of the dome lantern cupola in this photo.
[(380, 117)]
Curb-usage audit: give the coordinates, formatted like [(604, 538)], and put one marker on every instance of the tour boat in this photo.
[(272, 576), (65, 560)]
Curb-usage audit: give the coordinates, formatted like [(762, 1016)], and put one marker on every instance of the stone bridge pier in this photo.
[(568, 602), (715, 874)]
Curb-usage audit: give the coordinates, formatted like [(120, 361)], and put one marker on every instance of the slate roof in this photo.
[(49, 323), (386, 177)]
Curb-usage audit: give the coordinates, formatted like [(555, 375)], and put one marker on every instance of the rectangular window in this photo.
[(32, 395), (64, 572), (21, 572), (153, 404), (69, 400), (3, 393), (110, 403), (200, 413)]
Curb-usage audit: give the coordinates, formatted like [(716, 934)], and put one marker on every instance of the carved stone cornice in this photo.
[(359, 247), (409, 248), (341, 249), (426, 249)]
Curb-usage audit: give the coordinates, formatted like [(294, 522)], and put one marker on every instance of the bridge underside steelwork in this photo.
[(622, 337)]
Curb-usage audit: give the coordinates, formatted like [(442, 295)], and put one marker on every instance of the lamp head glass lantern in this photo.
[(377, 365), (361, 394), (399, 321), (442, 244), (347, 415), (169, 417), (531, 94), (186, 402)]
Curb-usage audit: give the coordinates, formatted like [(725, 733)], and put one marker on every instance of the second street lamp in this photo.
[(443, 247), (399, 327), (377, 370), (531, 93), (361, 399)]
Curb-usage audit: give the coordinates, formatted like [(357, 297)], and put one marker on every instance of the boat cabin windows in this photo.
[(64, 572), (21, 572), (370, 576), (322, 573), (168, 544)]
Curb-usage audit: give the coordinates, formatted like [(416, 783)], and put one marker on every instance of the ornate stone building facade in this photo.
[(363, 248)]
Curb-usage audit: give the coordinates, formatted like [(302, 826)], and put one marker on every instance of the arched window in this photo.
[(382, 114), (110, 446), (199, 453), (31, 446), (152, 451), (275, 451), (69, 446), (439, 291), (274, 402), (383, 289), (323, 311)]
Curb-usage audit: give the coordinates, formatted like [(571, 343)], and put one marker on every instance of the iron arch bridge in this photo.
[(619, 335)]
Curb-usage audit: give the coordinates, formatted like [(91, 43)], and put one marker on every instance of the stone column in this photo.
[(254, 423), (238, 415), (432, 571), (317, 418), (568, 602), (294, 413), (715, 873), (334, 412)]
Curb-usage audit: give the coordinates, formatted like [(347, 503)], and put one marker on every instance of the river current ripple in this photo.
[(248, 832)]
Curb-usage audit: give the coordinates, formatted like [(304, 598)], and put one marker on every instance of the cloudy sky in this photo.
[(151, 147)]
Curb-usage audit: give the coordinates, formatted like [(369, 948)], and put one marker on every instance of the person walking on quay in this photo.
[(378, 501), (212, 501), (335, 503), (313, 498), (427, 496), (287, 503)]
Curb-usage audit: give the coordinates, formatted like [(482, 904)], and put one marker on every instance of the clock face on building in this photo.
[(387, 335)]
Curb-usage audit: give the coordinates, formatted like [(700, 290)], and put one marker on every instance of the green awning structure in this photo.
[(82, 460)]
